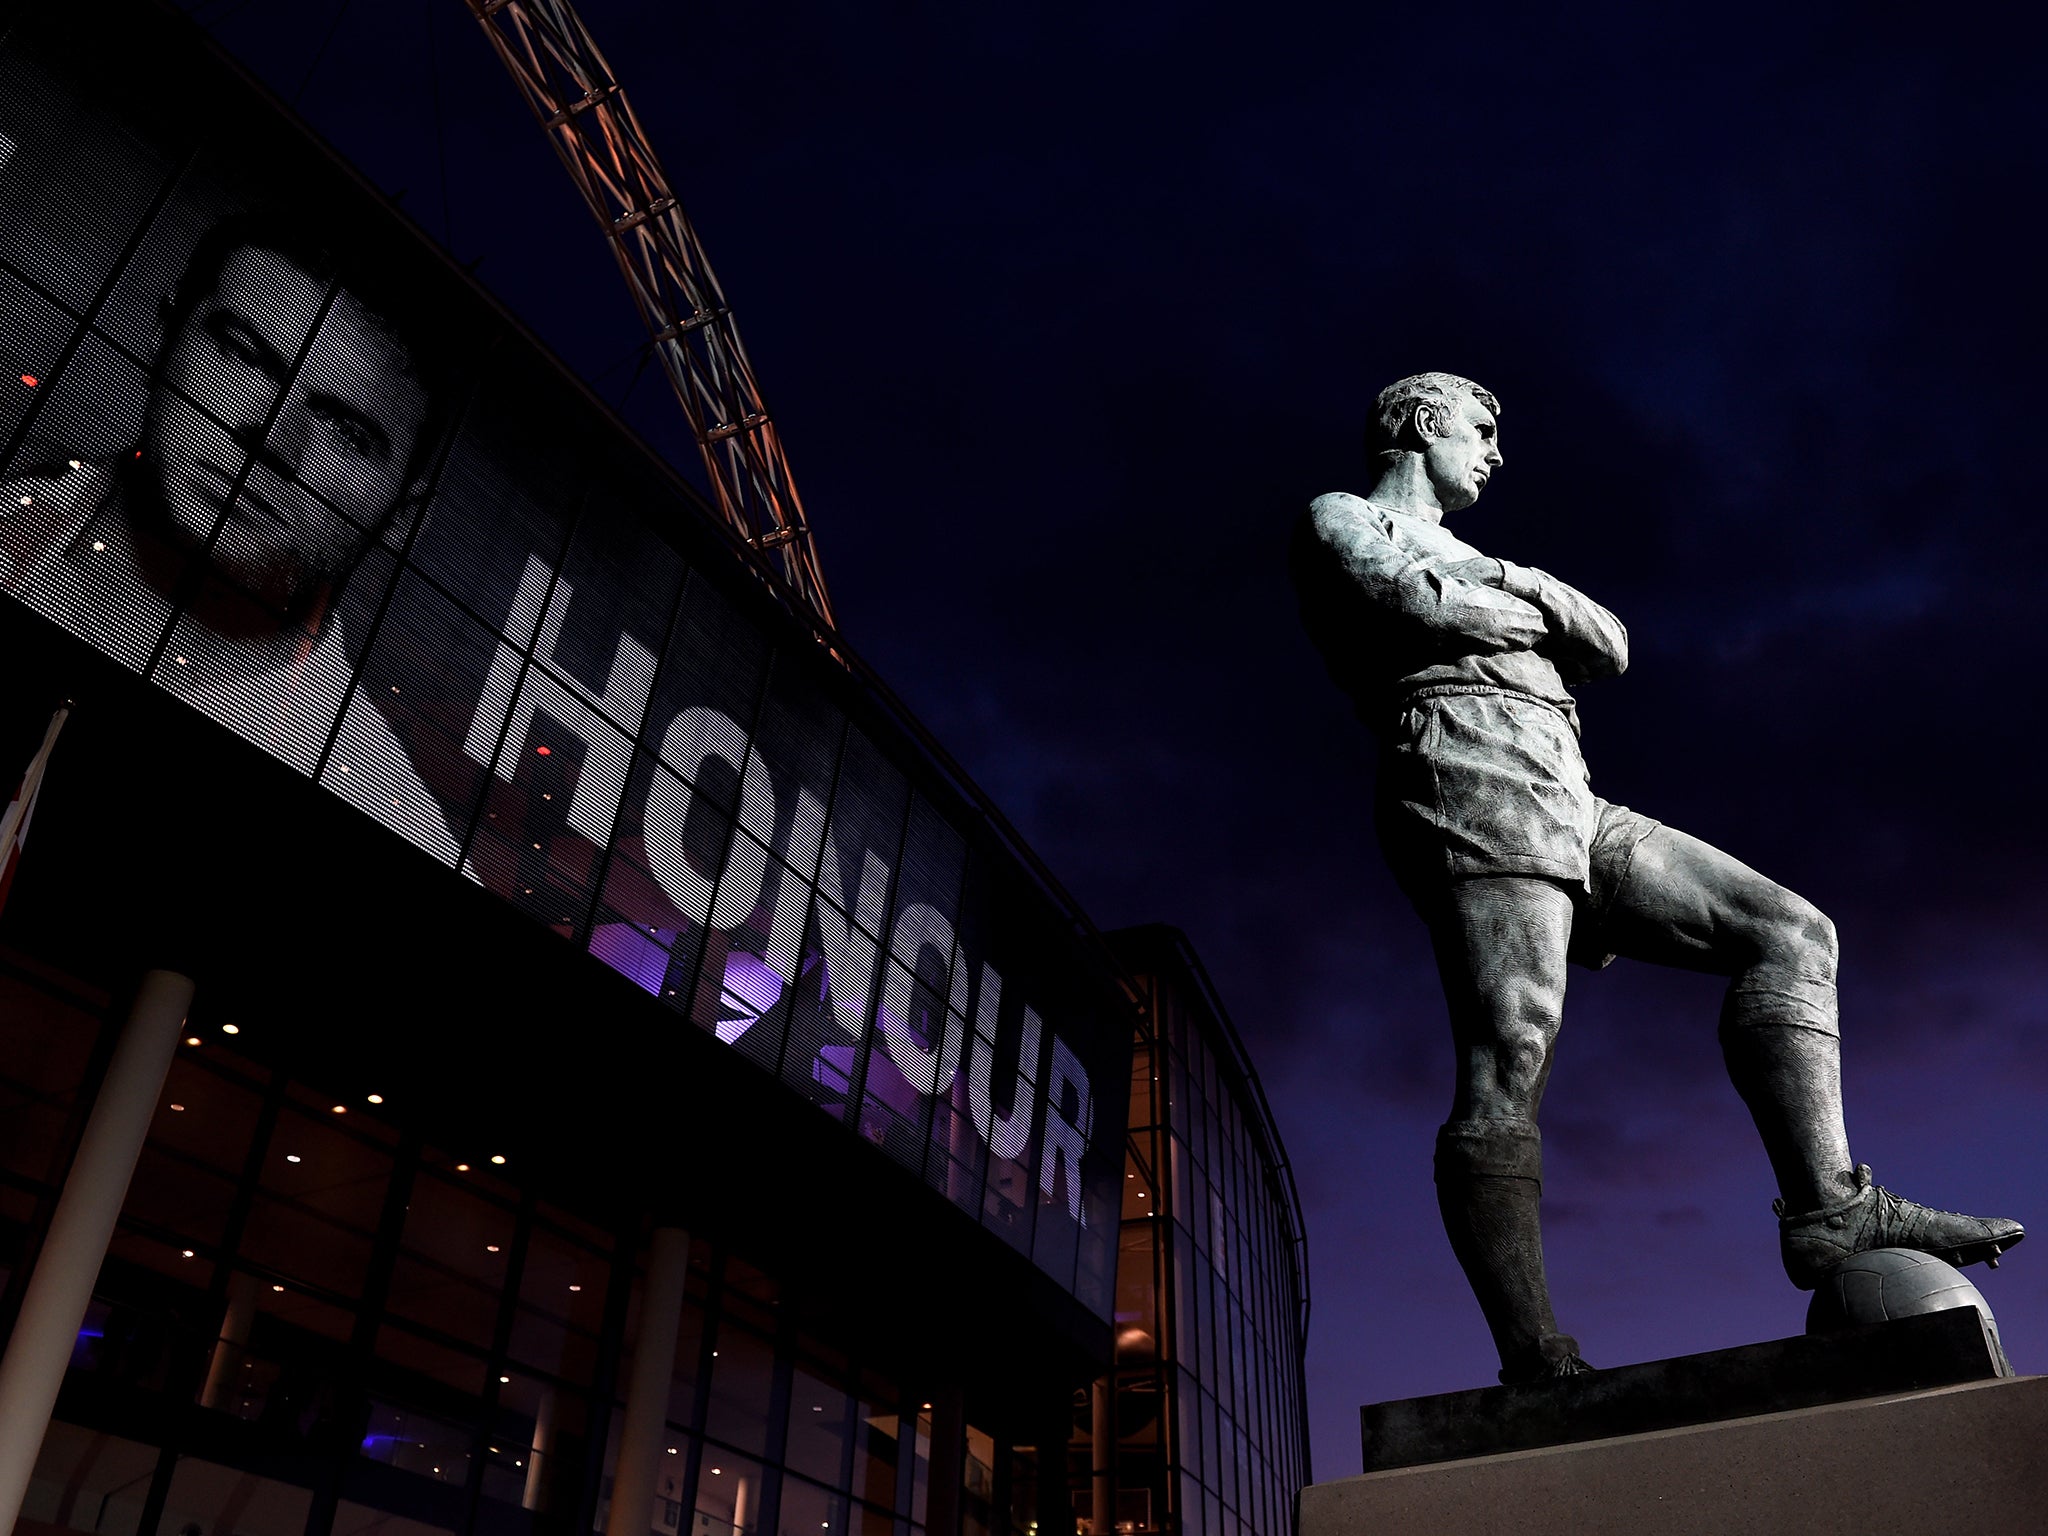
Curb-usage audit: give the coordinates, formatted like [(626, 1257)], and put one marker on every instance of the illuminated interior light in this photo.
[(542, 752), (545, 795), (177, 1109), (277, 1287), (394, 687), (183, 662), (186, 1253), (28, 501), (924, 1405), (76, 465), (192, 1040), (578, 1288), (498, 1157), (292, 1157), (99, 546), (528, 889), (490, 1247), (673, 1451), (536, 845), (226, 1029), (30, 380), (376, 1098), (504, 1380), (462, 1167), (718, 1471), (341, 1109)]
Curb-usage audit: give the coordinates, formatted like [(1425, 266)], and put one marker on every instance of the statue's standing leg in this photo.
[(1500, 946)]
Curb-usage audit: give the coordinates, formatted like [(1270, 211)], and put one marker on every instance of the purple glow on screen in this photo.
[(637, 956)]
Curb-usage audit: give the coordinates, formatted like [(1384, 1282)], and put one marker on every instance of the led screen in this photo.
[(267, 450)]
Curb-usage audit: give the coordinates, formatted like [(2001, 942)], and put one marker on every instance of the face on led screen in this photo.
[(290, 453)]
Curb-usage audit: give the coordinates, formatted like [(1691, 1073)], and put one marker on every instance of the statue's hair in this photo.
[(1394, 408)]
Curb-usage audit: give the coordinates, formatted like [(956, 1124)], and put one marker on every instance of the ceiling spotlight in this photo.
[(503, 1379), (376, 1098), (185, 1253), (462, 1167), (341, 1109), (575, 1287), (291, 1157), (497, 1158), (277, 1287), (226, 1029), (192, 1040), (490, 1247), (178, 1108)]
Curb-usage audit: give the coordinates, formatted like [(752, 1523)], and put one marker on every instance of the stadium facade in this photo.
[(631, 1080)]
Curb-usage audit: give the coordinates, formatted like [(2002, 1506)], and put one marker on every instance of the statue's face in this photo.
[(1463, 453)]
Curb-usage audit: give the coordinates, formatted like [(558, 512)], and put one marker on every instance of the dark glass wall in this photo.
[(316, 1319), (1204, 1431)]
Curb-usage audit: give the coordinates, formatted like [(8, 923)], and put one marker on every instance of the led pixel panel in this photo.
[(268, 451)]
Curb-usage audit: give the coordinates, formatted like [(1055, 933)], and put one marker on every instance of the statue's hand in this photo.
[(1480, 570)]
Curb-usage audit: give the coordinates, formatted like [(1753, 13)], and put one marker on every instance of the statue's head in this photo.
[(1449, 423)]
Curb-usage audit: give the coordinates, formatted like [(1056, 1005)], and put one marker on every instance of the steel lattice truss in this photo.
[(584, 111)]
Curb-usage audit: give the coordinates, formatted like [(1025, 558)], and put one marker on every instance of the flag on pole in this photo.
[(14, 825)]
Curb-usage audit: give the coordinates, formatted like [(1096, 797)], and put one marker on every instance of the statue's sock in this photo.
[(1782, 1044), (1489, 1186)]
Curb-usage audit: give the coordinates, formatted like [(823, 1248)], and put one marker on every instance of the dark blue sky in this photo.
[(1065, 313)]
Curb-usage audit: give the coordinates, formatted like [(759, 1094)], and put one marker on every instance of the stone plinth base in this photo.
[(1908, 1354), (1964, 1457)]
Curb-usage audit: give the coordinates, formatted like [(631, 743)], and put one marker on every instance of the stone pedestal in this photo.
[(1898, 1456)]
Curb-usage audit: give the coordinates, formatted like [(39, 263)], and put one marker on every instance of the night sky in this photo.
[(1065, 314)]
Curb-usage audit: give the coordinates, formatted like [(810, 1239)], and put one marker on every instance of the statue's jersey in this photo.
[(1390, 619), (1464, 683)]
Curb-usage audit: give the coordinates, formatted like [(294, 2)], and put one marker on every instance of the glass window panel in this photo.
[(273, 679), (561, 1306), (432, 1448), (536, 1434), (714, 667), (746, 962), (71, 550), (277, 1356), (750, 1295), (877, 1448), (820, 1426), (319, 1201), (742, 1380), (32, 332), (87, 1480), (228, 1501), (729, 1493), (608, 615), (362, 1520), (400, 753), (494, 533), (86, 162), (864, 836), (453, 1257), (821, 1055), (808, 1510), (798, 736), (429, 1359), (978, 1484), (921, 1465), (45, 1043), (551, 803)]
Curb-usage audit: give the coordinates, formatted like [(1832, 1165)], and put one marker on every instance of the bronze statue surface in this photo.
[(1463, 666)]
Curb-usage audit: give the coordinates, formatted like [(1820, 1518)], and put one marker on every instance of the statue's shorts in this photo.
[(1476, 782)]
